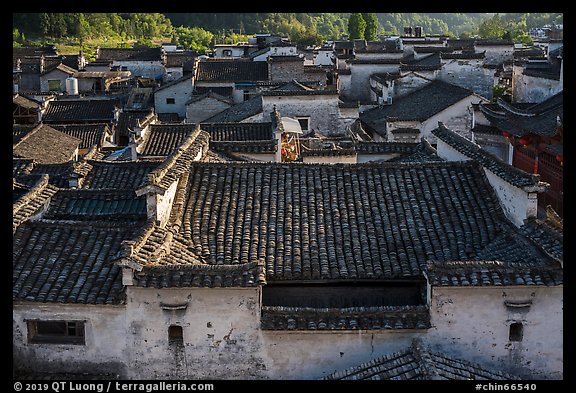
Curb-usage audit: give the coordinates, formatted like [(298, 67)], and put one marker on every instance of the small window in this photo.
[(54, 85), (175, 335), (56, 332), (227, 52), (303, 123), (170, 100), (516, 331)]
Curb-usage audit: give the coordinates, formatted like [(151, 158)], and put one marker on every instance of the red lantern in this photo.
[(506, 134), (283, 151), (560, 158), (525, 141)]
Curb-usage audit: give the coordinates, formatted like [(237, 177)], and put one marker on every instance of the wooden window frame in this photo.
[(73, 332)]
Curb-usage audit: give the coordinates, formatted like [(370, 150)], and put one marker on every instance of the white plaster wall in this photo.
[(532, 89), (220, 334), (345, 86), (458, 118), (323, 110), (496, 54), (164, 203), (473, 324), (470, 74), (324, 58), (53, 75), (147, 69), (360, 78), (516, 203), (105, 338), (330, 159), (199, 111), (315, 354), (181, 93)]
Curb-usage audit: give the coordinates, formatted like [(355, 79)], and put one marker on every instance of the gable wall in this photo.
[(470, 74), (474, 324)]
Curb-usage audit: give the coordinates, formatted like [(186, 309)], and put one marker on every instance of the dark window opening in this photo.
[(516, 331), (303, 123), (56, 332), (175, 335), (170, 100), (344, 296)]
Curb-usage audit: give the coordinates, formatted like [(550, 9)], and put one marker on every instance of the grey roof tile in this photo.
[(419, 363)]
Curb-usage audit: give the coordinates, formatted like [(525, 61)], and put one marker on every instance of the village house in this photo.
[(197, 252), (366, 215), (237, 79), (144, 62), (172, 97), (413, 116), (534, 137)]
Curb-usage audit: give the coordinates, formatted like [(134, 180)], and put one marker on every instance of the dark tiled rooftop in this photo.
[(419, 105), (80, 110), (303, 221), (32, 199), (117, 175), (68, 262), (20, 130), (94, 204), (46, 145), (238, 131), (89, 134), (163, 139), (128, 120), (374, 318), (232, 71), (540, 119), (512, 175), (238, 112), (419, 363), (131, 54)]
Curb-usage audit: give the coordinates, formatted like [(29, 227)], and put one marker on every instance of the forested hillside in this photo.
[(199, 31)]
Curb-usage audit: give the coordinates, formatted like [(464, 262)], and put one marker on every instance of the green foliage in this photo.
[(194, 38), (372, 26), (498, 91), (356, 26)]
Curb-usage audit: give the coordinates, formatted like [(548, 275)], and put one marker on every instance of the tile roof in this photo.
[(89, 134), (75, 111), (238, 131), (116, 175), (238, 112), (419, 105), (20, 130), (130, 54), (163, 139), (303, 221), (540, 119), (192, 148), (295, 88), (68, 261), (492, 273), (61, 67), (258, 146), (95, 204), (231, 71), (353, 318), (419, 363), (546, 235), (25, 102), (128, 120), (46, 145), (512, 175), (428, 62), (33, 199)]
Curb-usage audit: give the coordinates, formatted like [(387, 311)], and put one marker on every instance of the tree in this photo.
[(494, 27), (356, 26), (372, 26)]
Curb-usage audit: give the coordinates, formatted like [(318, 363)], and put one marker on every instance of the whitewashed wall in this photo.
[(105, 337), (532, 89), (470, 74), (473, 323), (323, 110), (517, 203), (180, 92), (148, 69)]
